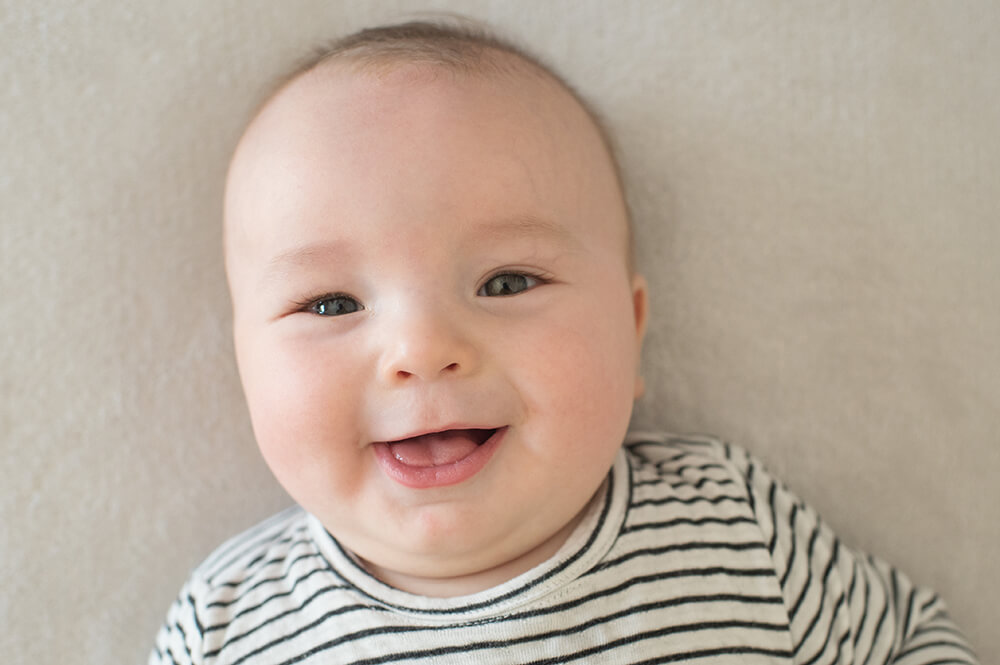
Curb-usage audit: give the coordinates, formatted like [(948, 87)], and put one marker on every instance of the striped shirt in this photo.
[(690, 553)]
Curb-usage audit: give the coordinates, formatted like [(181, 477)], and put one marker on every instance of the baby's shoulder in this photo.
[(272, 545), (682, 459), (239, 592), (703, 473)]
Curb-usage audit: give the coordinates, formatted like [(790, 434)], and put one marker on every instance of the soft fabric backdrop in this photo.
[(815, 191)]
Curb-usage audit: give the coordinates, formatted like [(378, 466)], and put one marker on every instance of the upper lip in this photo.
[(439, 430)]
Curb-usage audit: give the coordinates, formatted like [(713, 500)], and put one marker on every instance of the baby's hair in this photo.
[(459, 45), (465, 47)]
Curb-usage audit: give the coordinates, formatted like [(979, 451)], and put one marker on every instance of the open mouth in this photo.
[(439, 448), (438, 459)]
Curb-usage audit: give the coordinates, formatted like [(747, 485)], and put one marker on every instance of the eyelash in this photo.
[(309, 305), (538, 279)]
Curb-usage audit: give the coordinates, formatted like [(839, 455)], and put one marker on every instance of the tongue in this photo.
[(436, 449)]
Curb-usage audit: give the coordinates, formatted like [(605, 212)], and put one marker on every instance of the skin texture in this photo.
[(404, 192)]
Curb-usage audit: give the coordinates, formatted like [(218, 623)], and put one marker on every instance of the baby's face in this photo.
[(435, 325)]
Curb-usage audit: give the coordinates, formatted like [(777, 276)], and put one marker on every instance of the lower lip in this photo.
[(438, 476)]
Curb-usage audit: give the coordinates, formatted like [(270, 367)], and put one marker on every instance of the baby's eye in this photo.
[(508, 284), (334, 305)]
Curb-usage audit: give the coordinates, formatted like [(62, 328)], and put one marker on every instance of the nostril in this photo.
[(405, 372)]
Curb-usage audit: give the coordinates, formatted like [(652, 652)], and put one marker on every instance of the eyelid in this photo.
[(306, 305), (540, 276)]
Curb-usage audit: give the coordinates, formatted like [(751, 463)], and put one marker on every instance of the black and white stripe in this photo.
[(693, 554)]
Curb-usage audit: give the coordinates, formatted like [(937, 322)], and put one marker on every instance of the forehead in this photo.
[(339, 138)]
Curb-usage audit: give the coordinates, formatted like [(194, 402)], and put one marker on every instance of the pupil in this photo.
[(335, 306), (508, 284)]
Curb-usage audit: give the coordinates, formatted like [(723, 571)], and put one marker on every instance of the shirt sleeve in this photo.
[(845, 607), (180, 636)]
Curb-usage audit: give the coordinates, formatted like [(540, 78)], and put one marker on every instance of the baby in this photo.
[(438, 323)]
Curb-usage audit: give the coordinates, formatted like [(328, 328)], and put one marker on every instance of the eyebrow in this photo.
[(493, 231), (521, 226), (304, 255)]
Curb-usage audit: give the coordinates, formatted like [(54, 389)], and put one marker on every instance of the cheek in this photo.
[(591, 387), (582, 377), (301, 409)]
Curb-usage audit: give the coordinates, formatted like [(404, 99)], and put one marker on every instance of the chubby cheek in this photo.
[(301, 409), (581, 385)]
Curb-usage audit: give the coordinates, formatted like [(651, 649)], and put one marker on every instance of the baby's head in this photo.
[(436, 318)]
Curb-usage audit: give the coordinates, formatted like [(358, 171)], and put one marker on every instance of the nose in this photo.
[(428, 346)]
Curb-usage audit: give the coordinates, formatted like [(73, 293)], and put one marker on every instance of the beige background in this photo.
[(815, 185)]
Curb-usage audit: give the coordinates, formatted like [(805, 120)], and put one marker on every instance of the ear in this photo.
[(640, 310)]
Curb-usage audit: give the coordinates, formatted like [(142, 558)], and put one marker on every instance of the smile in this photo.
[(438, 459)]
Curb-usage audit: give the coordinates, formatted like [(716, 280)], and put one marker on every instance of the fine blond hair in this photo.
[(459, 45)]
